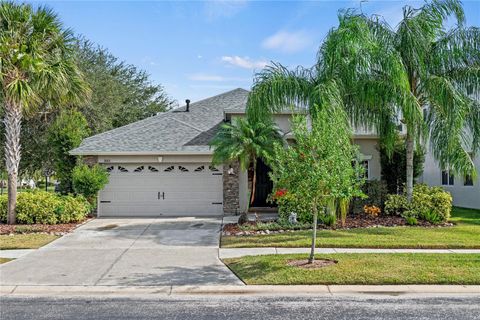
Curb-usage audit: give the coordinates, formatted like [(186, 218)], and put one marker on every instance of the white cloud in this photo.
[(244, 62), (223, 8), (288, 42), (214, 78)]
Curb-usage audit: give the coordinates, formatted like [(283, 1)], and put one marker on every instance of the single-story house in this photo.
[(161, 165)]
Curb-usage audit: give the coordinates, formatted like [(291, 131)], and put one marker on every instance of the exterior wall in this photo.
[(368, 148), (463, 196), (231, 191), (155, 158)]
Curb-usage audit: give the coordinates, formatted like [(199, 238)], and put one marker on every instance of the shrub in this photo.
[(431, 216), (396, 204), (72, 209), (46, 208), (428, 203), (288, 204), (412, 221), (376, 194), (328, 219), (37, 207), (88, 181)]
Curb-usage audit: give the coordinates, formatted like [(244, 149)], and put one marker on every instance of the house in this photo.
[(162, 165), (465, 190)]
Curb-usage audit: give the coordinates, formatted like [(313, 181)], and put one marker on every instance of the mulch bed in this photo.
[(55, 229), (352, 222), (316, 264)]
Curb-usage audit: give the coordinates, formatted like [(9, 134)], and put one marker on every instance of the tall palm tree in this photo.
[(385, 75), (37, 67), (245, 140)]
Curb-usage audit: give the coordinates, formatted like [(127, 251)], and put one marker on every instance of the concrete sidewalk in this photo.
[(241, 252), (232, 290)]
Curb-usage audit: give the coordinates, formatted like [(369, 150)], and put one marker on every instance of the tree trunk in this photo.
[(254, 182), (409, 150), (12, 121), (311, 259)]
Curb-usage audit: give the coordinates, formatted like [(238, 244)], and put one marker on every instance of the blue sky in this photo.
[(199, 49)]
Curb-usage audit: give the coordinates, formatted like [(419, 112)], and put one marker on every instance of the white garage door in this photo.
[(162, 189)]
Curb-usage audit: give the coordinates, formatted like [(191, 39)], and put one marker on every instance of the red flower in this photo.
[(280, 193)]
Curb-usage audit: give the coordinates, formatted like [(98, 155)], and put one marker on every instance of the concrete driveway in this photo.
[(127, 252)]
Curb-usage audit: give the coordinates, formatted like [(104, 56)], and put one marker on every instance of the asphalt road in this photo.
[(249, 308)]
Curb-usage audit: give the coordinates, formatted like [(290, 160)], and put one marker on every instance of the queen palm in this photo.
[(245, 140), (418, 73), (37, 68)]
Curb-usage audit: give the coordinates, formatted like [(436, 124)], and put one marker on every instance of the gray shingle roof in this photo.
[(171, 131)]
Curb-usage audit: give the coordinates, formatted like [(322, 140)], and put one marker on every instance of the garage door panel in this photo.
[(167, 189)]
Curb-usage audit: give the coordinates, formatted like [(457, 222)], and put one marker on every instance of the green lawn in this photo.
[(25, 241), (465, 234), (361, 269)]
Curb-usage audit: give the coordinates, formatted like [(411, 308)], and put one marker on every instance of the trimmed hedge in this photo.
[(432, 204), (46, 208)]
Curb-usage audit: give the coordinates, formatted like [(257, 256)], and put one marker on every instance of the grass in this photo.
[(25, 241), (3, 260), (355, 269), (464, 235)]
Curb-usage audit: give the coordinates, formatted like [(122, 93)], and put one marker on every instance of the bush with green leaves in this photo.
[(87, 181), (432, 204), (289, 204), (46, 208), (376, 194), (65, 134)]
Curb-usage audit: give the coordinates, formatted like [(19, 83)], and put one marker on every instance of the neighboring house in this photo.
[(465, 190), (161, 165)]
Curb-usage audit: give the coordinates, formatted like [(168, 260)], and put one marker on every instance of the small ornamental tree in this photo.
[(65, 134), (317, 169), (88, 181)]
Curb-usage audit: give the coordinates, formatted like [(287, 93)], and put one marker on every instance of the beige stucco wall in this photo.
[(463, 196), (368, 148), (155, 158)]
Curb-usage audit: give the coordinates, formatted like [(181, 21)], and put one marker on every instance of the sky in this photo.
[(198, 49)]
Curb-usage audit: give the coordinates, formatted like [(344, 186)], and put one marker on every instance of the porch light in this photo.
[(230, 170)]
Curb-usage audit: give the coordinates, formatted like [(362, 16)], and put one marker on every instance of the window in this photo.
[(183, 169), (122, 169), (171, 168), (152, 169), (200, 169), (110, 169), (366, 174), (447, 178), (139, 169), (212, 168), (468, 181)]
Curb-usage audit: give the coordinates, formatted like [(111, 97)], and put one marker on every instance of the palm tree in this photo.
[(245, 140), (37, 68), (383, 75)]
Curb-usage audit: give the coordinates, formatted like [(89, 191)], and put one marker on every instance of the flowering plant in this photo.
[(372, 211)]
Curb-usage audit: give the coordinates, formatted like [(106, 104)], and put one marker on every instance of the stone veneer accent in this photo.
[(231, 195), (90, 160)]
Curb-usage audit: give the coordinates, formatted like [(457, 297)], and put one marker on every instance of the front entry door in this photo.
[(264, 186)]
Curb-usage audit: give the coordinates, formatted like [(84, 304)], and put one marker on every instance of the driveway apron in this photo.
[(127, 252)]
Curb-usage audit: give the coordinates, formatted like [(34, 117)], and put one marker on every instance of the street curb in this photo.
[(254, 290)]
